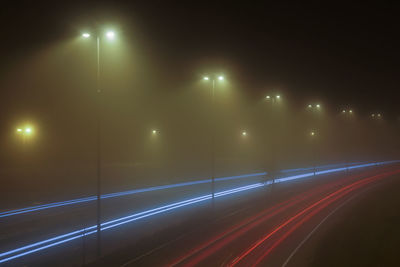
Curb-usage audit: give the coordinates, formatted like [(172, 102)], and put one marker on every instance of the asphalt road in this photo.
[(202, 234), (267, 228)]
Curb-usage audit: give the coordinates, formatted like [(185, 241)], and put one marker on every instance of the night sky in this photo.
[(345, 53)]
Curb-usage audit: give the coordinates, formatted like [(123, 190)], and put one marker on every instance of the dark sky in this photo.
[(346, 53)]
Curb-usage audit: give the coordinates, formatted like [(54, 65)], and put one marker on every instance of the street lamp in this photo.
[(25, 132), (272, 98), (314, 149), (213, 79), (244, 133), (314, 107), (109, 35)]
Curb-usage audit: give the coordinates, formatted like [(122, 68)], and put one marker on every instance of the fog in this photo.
[(54, 91)]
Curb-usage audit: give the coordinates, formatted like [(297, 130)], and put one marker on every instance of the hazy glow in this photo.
[(19, 130), (343, 111), (28, 130), (379, 115), (110, 35), (350, 111), (244, 133), (206, 78), (221, 78), (309, 106), (318, 105), (154, 131), (86, 35), (312, 133), (268, 97), (278, 96)]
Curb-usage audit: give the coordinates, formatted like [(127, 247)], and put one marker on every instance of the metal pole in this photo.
[(213, 142), (99, 98)]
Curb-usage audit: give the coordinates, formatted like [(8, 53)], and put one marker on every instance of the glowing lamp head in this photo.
[(206, 78), (244, 133), (278, 97), (318, 105), (86, 35), (221, 78), (309, 106), (312, 133), (28, 130), (379, 115), (19, 130), (350, 111), (268, 97), (154, 131), (110, 35), (343, 111)]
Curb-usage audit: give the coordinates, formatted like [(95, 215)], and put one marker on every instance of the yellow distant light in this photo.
[(343, 111), (221, 78), (309, 106), (28, 130), (278, 96), (268, 97), (312, 133), (86, 35), (19, 130), (244, 133), (206, 78), (318, 105), (350, 111), (154, 131)]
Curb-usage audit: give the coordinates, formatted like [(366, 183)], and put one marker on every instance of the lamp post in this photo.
[(314, 149), (348, 114), (110, 35), (24, 132), (272, 169), (214, 79)]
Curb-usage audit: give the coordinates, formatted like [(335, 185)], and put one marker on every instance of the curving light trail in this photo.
[(58, 240), (163, 187)]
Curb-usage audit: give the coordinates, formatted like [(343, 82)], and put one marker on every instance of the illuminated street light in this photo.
[(28, 130), (379, 115), (244, 133), (273, 99), (110, 35), (343, 111), (314, 107), (312, 133), (350, 111), (214, 79), (19, 130)]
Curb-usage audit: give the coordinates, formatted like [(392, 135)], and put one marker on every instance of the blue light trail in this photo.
[(61, 239)]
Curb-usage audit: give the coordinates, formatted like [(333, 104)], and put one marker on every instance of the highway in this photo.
[(267, 233), (162, 221)]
